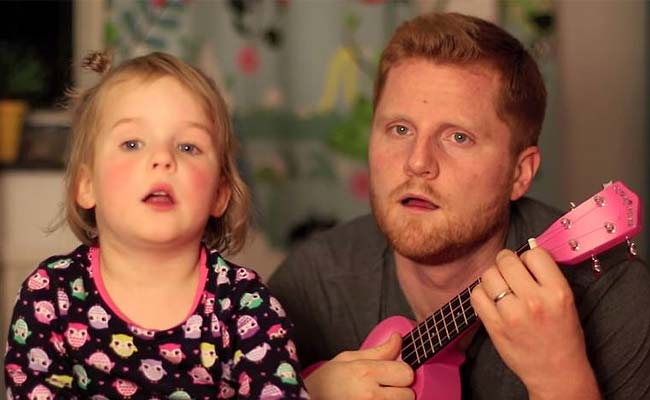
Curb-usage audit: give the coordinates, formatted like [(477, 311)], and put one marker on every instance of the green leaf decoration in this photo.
[(111, 34), (144, 7), (156, 43), (190, 48), (168, 23), (175, 6), (21, 72), (321, 167), (352, 22), (129, 22), (269, 176), (229, 81), (290, 160), (350, 137)]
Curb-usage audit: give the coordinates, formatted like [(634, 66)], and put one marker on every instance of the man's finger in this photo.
[(542, 266), (389, 350), (492, 282), (484, 307), (515, 274), (391, 373), (393, 393)]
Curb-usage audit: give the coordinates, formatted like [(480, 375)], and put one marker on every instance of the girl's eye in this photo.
[(400, 130), (131, 144), (189, 148)]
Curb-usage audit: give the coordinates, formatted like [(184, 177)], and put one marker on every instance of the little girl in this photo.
[(147, 308)]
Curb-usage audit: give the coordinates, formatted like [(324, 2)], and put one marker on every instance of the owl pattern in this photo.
[(67, 341)]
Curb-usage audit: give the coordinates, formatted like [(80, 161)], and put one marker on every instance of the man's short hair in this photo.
[(451, 38)]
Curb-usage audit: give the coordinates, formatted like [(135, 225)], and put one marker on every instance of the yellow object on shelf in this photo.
[(12, 116)]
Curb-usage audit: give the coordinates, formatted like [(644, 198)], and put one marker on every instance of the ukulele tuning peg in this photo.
[(566, 223), (600, 201), (631, 247), (595, 267), (572, 205)]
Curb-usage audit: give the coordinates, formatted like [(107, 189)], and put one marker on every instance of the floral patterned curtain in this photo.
[(298, 76)]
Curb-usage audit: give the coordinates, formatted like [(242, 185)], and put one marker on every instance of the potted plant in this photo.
[(21, 77)]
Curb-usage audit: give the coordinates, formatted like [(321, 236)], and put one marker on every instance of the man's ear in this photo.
[(85, 191), (526, 167), (224, 191)]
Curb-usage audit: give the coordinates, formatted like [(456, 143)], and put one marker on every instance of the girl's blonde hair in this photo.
[(226, 234)]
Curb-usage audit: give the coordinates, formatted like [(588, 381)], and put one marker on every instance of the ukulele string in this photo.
[(446, 318), (419, 353), (557, 230), (449, 320), (447, 315)]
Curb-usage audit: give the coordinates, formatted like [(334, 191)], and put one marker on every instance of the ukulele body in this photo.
[(436, 379)]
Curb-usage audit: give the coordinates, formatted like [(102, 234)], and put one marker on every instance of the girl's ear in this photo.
[(85, 192), (525, 170), (224, 191)]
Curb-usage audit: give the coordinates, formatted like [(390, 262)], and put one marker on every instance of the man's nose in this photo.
[(422, 161)]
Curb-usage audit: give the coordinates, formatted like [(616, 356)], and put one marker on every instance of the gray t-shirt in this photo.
[(340, 284)]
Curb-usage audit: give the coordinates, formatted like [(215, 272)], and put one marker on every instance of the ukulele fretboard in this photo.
[(443, 326)]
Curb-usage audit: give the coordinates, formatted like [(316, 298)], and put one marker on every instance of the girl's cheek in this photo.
[(199, 177), (117, 172), (202, 181)]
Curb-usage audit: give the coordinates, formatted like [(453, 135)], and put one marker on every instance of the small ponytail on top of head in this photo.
[(97, 61)]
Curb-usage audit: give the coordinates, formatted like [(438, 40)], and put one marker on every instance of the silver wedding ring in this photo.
[(501, 295)]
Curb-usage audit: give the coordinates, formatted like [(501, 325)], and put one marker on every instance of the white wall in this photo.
[(29, 202), (604, 100)]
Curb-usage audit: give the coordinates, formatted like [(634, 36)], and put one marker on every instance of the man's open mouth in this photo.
[(418, 202)]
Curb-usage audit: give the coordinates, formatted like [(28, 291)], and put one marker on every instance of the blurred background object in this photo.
[(34, 64)]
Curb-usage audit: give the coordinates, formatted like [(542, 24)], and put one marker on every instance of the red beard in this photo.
[(443, 235)]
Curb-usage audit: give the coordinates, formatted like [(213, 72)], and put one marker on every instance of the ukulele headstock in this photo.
[(608, 218)]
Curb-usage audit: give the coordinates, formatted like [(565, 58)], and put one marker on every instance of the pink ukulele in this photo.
[(609, 218)]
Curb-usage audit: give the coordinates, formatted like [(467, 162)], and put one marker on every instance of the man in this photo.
[(458, 109)]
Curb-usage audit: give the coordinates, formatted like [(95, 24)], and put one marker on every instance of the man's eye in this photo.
[(131, 145), (189, 148), (460, 137), (401, 130)]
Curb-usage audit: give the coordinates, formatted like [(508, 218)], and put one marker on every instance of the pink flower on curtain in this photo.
[(359, 184), (163, 3), (248, 60)]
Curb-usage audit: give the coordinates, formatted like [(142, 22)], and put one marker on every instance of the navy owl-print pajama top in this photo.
[(67, 340)]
